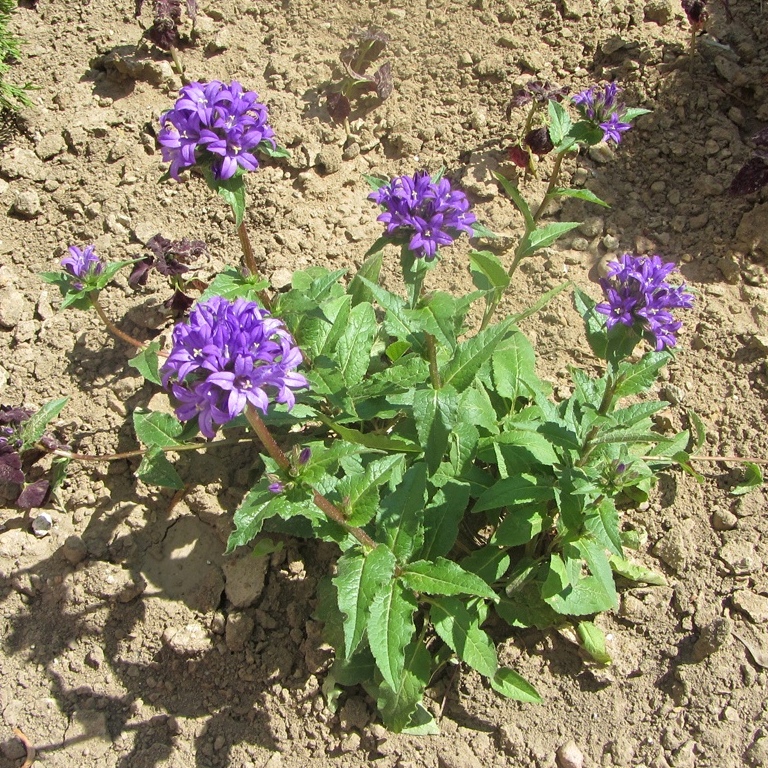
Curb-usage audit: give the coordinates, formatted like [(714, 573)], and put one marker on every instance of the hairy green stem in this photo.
[(610, 389), (178, 64), (111, 327), (434, 373), (250, 261), (331, 511), (555, 175)]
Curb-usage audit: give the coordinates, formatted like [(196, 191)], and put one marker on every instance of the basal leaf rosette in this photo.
[(423, 212), (216, 125), (227, 356), (638, 295)]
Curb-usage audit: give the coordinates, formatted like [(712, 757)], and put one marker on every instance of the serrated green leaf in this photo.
[(633, 414), (513, 491), (390, 629), (461, 631), (636, 572), (638, 377), (360, 493), (476, 408), (559, 121), (585, 132), (368, 439), (397, 349), (375, 182), (444, 577), (401, 514), (155, 469), (593, 641), (543, 237), (441, 519), (231, 190), (523, 449), (513, 364), (508, 683), (276, 152), (370, 270), (34, 427), (398, 704), (471, 355), (518, 527), (490, 563), (231, 284), (399, 322), (353, 350), (514, 194), (753, 478), (156, 429), (594, 322), (579, 194), (442, 316), (359, 577), (541, 302), (436, 412), (480, 230), (634, 112), (146, 362), (488, 272), (602, 521)]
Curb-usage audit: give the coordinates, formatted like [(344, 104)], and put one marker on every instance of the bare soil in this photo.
[(128, 639)]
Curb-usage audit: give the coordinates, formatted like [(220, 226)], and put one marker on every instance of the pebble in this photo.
[(329, 160), (739, 557), (713, 637), (754, 605), (95, 657), (244, 579), (350, 743), (673, 547), (12, 307), (239, 629), (188, 640), (724, 520), (27, 204), (592, 226), (42, 524), (569, 756), (281, 278), (74, 550), (601, 153), (659, 11), (458, 756), (24, 164)]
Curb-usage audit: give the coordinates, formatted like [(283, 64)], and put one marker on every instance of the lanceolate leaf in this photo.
[(514, 194), (398, 703), (580, 194), (400, 519), (353, 350), (546, 235), (461, 631), (488, 272), (593, 640), (155, 469), (637, 377), (515, 490), (34, 427), (436, 412), (508, 683), (360, 493), (370, 270), (444, 577), (358, 579), (442, 517), (146, 362), (156, 429), (232, 284), (390, 629), (471, 355), (513, 364)]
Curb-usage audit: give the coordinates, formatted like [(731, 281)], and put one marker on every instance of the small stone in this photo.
[(457, 756), (244, 579), (74, 550), (602, 153), (465, 59), (329, 160), (685, 756), (724, 520), (659, 11), (95, 657), (281, 278), (12, 749), (350, 743), (512, 741), (713, 637), (239, 629), (42, 524), (754, 605), (739, 557), (673, 394), (189, 640), (673, 547), (569, 756), (396, 13), (757, 754), (24, 164), (351, 152), (27, 204), (479, 119), (44, 309), (592, 226)]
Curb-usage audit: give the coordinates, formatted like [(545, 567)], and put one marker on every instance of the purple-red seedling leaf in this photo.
[(164, 33), (752, 176), (34, 495), (338, 106), (51, 443), (179, 303), (140, 271), (382, 77), (10, 468), (168, 9)]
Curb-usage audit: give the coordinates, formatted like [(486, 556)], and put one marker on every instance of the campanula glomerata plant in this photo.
[(427, 449)]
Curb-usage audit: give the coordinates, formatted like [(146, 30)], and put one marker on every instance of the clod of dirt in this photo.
[(239, 629), (74, 550), (713, 637), (189, 640), (754, 606), (111, 582), (244, 576)]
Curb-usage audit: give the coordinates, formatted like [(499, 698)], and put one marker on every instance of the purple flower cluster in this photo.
[(223, 359), (82, 264), (431, 214), (216, 122), (602, 108), (637, 291)]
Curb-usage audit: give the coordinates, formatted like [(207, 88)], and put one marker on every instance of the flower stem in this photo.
[(178, 64), (94, 297), (250, 261), (555, 175), (434, 373), (331, 511), (692, 51)]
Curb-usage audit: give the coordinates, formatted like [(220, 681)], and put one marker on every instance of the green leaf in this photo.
[(585, 132), (636, 572), (397, 349), (102, 280), (508, 683), (541, 302), (514, 194), (436, 412), (399, 322), (579, 194), (634, 112), (633, 414), (518, 527), (231, 284), (595, 324), (146, 362), (593, 641), (34, 427), (753, 478), (559, 122), (638, 377), (232, 191), (390, 629), (480, 230), (368, 439), (276, 152), (544, 236), (512, 491), (259, 505), (401, 513), (441, 519), (370, 270), (700, 431), (360, 493), (461, 631), (602, 521), (156, 429), (353, 350), (359, 577), (444, 577), (513, 365), (522, 449), (155, 469), (471, 355), (375, 182), (488, 272), (490, 563), (398, 704)]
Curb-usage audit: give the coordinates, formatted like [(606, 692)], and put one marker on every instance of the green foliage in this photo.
[(12, 97)]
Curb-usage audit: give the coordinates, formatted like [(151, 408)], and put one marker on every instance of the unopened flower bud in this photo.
[(538, 141)]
